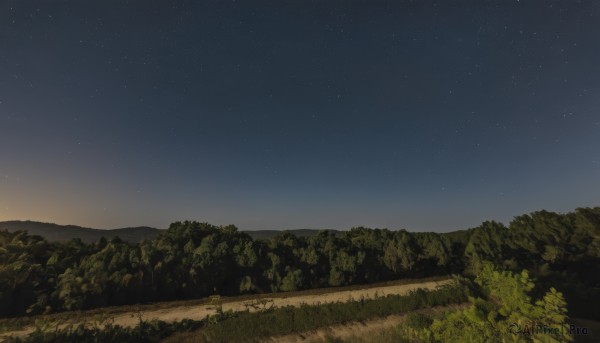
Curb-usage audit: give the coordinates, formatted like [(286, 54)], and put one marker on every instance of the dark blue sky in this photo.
[(424, 115)]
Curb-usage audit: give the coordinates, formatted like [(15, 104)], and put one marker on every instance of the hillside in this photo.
[(267, 234), (62, 233), (192, 260)]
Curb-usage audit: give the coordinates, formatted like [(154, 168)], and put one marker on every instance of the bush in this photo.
[(418, 321)]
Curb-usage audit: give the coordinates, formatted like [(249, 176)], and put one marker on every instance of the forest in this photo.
[(193, 260)]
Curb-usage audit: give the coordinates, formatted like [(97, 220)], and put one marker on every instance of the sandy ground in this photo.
[(198, 312)]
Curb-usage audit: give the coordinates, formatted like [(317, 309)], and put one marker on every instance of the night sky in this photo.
[(423, 115)]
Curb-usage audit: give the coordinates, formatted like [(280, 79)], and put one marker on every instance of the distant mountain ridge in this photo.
[(62, 233)]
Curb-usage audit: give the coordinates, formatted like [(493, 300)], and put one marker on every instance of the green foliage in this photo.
[(487, 243), (145, 331), (193, 260), (281, 321), (418, 321), (507, 311), (400, 253), (293, 280)]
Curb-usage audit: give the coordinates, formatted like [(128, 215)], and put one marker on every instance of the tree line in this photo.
[(193, 260)]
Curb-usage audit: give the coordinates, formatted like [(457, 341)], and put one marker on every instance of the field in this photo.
[(355, 330), (198, 310)]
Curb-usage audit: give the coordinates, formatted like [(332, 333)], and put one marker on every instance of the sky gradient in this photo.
[(424, 115)]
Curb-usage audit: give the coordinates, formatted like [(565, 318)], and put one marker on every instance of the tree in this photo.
[(293, 280), (487, 243), (400, 254), (506, 315)]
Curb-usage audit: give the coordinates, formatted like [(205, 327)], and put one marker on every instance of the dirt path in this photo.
[(199, 312)]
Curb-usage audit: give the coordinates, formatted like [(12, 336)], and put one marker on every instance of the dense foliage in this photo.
[(505, 312), (191, 260)]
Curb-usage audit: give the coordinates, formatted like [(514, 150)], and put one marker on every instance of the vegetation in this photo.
[(246, 326), (193, 260), (506, 312), (145, 331), (64, 233), (286, 320), (501, 310)]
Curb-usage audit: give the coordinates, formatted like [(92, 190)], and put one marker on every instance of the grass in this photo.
[(146, 331), (255, 327), (401, 333)]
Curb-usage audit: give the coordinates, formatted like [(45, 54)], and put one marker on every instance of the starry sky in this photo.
[(423, 115)]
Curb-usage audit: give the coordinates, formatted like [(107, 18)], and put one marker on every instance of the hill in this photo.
[(62, 233), (267, 234)]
